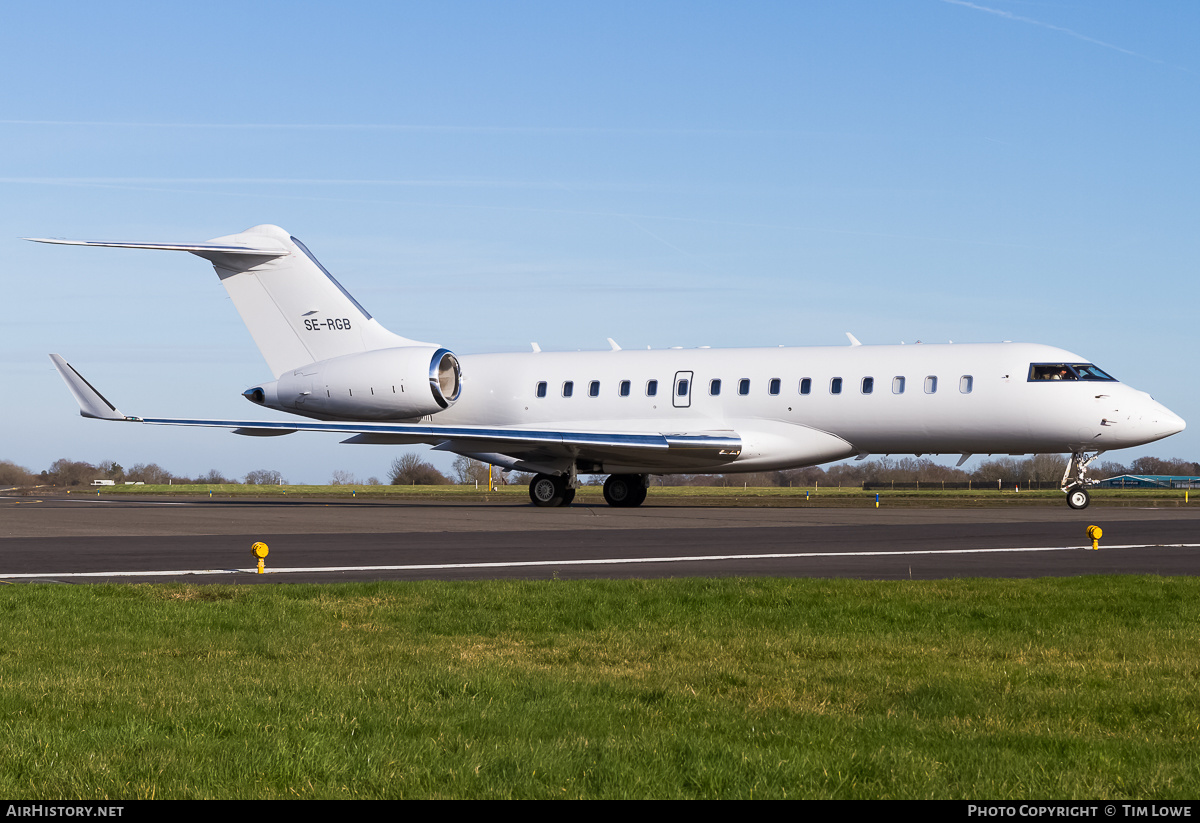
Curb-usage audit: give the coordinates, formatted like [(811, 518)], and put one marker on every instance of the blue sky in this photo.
[(486, 174)]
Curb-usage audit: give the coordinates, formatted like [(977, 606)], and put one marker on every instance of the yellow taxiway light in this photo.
[(1095, 532), (259, 550)]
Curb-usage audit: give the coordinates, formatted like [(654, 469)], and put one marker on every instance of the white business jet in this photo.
[(633, 414)]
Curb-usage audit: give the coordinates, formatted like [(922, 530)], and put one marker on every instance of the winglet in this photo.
[(91, 402)]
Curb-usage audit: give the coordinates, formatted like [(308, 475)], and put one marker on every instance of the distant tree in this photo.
[(411, 470), (264, 477), (64, 472), (1044, 468), (1001, 468), (808, 476), (214, 477), (13, 475), (112, 470), (343, 478), (150, 474), (468, 471)]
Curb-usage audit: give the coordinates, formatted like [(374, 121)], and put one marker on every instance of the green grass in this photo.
[(763, 496), (1054, 688)]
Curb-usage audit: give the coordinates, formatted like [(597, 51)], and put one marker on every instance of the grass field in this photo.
[(679, 495), (1001, 689)]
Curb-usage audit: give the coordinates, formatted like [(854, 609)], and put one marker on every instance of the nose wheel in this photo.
[(1078, 498)]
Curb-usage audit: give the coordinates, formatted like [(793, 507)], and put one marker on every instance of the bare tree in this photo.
[(66, 472), (468, 471), (264, 477), (13, 475), (411, 470), (342, 477), (150, 473)]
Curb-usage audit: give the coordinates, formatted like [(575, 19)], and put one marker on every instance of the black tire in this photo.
[(618, 489), (568, 496), (1078, 498), (547, 490), (624, 490)]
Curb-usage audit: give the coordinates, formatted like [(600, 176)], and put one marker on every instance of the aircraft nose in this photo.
[(1169, 422), (1157, 421)]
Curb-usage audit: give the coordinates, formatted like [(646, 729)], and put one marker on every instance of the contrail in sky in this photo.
[(1031, 21)]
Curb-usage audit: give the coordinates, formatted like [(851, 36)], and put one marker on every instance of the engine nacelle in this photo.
[(386, 384)]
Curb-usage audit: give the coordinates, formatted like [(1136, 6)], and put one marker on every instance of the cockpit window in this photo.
[(1067, 371)]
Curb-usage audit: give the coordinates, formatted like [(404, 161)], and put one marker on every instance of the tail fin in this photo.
[(295, 310)]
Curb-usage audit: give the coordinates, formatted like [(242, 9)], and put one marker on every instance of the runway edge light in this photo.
[(259, 550), (1095, 532)]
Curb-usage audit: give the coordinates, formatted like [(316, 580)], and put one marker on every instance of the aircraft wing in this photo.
[(527, 449)]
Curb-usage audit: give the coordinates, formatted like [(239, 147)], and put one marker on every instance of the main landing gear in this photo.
[(551, 490), (625, 490), (1075, 481), (620, 490)]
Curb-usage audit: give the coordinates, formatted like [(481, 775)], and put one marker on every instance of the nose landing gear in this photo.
[(1075, 481)]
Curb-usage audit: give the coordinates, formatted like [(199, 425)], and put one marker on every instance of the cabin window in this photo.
[(651, 388), (868, 385), (930, 384), (714, 387), (594, 388), (897, 385), (568, 388), (541, 389), (773, 386), (835, 385), (624, 388), (681, 388), (966, 383), (744, 386), (806, 385)]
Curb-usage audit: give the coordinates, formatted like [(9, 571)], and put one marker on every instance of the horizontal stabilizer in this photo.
[(201, 249), (293, 307)]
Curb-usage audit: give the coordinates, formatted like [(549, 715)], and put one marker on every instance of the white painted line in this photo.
[(84, 499), (612, 561)]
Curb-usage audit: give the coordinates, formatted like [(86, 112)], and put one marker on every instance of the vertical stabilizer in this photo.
[(295, 310)]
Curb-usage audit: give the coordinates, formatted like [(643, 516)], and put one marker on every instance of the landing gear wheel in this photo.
[(624, 490), (1077, 497), (617, 490), (568, 496), (548, 490)]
